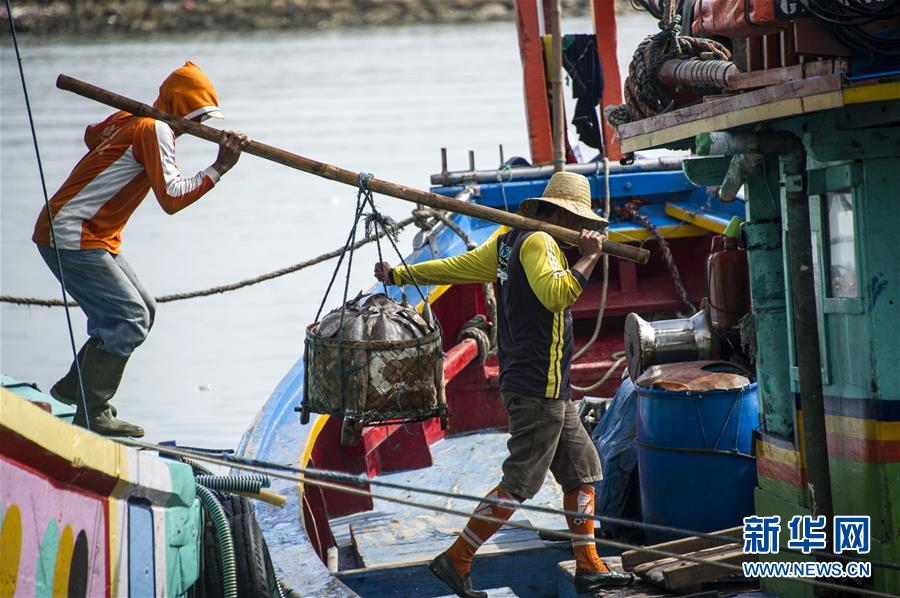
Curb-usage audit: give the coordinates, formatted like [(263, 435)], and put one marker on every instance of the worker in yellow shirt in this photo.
[(536, 288)]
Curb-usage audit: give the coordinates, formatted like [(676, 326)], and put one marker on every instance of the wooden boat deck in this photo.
[(388, 548), (467, 464)]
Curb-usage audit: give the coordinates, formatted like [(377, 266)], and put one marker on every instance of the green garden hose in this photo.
[(251, 484), (223, 539)]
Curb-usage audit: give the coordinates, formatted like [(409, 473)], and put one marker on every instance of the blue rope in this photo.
[(62, 281)]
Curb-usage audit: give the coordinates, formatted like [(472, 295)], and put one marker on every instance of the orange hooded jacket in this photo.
[(127, 156)]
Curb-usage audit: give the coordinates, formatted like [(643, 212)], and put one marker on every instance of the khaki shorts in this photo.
[(546, 434)]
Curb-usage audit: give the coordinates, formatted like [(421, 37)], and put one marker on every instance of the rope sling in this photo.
[(372, 381)]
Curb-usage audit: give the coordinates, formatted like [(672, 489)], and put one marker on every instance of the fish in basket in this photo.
[(374, 362)]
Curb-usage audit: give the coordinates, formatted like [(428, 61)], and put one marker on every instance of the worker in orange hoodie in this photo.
[(127, 157)]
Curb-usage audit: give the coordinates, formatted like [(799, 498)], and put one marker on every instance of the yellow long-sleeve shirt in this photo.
[(535, 290)]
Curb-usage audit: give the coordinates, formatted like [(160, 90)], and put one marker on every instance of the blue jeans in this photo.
[(119, 309)]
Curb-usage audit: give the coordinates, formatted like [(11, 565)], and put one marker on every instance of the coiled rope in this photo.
[(317, 477), (645, 96)]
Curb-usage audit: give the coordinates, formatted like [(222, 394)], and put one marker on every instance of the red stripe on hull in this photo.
[(865, 451), (780, 471), (54, 467)]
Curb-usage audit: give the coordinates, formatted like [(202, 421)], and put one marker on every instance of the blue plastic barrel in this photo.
[(694, 458)]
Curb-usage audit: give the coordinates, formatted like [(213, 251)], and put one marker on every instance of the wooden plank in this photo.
[(687, 574), (534, 575), (755, 79), (737, 118), (777, 76), (817, 68), (773, 93), (402, 541), (632, 558), (754, 53)]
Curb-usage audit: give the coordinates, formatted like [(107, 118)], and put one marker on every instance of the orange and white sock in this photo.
[(477, 531), (581, 500)]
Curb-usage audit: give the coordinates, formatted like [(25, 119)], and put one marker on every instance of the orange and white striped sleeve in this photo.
[(154, 147)]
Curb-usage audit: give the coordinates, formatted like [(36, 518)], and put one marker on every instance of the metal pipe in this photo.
[(540, 172), (730, 144), (704, 74), (741, 167), (556, 85), (458, 357)]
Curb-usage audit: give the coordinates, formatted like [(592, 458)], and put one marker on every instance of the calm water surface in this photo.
[(376, 100)]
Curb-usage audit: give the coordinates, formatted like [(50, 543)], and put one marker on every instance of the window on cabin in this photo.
[(841, 245)]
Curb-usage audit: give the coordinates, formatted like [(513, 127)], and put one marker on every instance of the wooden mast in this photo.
[(537, 106), (604, 13)]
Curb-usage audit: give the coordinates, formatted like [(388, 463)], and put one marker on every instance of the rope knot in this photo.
[(362, 180), (423, 218), (387, 224)]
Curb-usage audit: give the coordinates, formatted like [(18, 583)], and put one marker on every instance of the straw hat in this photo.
[(571, 192)]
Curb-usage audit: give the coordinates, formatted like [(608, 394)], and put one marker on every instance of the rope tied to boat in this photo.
[(481, 330), (645, 96), (221, 289), (631, 211)]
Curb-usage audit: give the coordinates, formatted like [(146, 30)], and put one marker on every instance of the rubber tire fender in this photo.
[(255, 573)]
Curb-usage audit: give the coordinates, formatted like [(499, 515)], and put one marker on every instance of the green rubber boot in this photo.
[(66, 388), (101, 373)]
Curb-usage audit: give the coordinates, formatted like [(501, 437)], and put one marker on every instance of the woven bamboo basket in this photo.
[(384, 382)]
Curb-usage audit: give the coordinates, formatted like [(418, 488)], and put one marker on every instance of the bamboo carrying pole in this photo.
[(440, 202)]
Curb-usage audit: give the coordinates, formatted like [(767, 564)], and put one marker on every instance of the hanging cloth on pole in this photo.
[(582, 63)]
